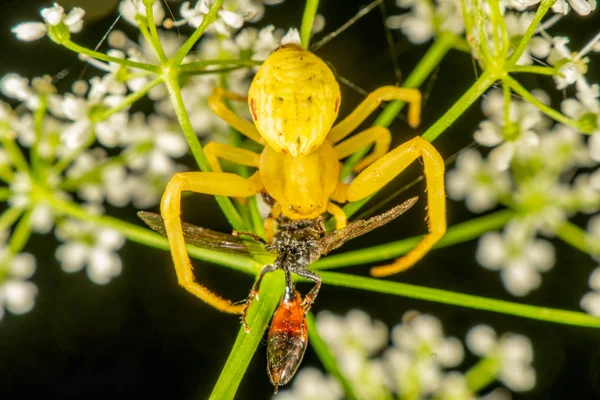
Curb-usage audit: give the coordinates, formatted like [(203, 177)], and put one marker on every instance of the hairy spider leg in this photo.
[(312, 294), (218, 107), (377, 134), (370, 104), (214, 183), (254, 291), (270, 222), (384, 170)]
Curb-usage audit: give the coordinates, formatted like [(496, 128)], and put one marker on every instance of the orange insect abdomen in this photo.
[(287, 339)]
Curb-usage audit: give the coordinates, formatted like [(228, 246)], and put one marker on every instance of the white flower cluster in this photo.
[(546, 172), (88, 145), (416, 364)]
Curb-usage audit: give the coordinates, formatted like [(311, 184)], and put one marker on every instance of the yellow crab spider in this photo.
[(294, 100)]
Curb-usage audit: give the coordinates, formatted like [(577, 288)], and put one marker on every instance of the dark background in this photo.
[(144, 336)]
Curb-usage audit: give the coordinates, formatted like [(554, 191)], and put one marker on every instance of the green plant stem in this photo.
[(10, 216), (208, 19), (101, 56), (577, 237), (39, 115), (460, 299), (327, 358), (171, 81), (545, 5), (533, 69), (200, 66), (479, 87), (129, 100), (15, 154), (456, 234), (308, 18), (20, 235), (245, 344), (5, 194), (549, 111), (483, 373), (155, 39), (146, 236)]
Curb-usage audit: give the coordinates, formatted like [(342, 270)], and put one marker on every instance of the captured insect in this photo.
[(296, 244), (294, 100)]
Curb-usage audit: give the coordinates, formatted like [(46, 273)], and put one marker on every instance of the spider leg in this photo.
[(215, 183), (377, 134), (218, 107), (370, 104), (389, 166), (338, 213), (254, 291)]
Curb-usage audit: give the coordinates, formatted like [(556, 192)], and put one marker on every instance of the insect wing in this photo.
[(206, 238), (338, 237)]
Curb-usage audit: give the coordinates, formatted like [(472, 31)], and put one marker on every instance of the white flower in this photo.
[(230, 17), (420, 352), (425, 19), (476, 182), (17, 294), (291, 36), (519, 257), (132, 10), (86, 244), (582, 7), (571, 65), (311, 384), (513, 352), (29, 31), (53, 16), (519, 137), (591, 301)]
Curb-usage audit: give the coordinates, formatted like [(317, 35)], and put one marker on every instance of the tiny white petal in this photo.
[(292, 36), (481, 339), (22, 265), (53, 15), (28, 31), (19, 296), (594, 280)]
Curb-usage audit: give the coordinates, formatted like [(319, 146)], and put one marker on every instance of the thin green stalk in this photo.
[(201, 65), (171, 81), (5, 194), (549, 111), (153, 32), (101, 56), (212, 71), (458, 233), (208, 19), (533, 69), (479, 87), (20, 235), (308, 18), (10, 216), (38, 116), (327, 358), (577, 237), (246, 344), (483, 373), (462, 300), (545, 5), (146, 236), (15, 154), (129, 100)]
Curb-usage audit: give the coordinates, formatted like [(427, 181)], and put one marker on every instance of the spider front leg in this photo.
[(254, 291), (214, 183), (370, 104), (389, 166)]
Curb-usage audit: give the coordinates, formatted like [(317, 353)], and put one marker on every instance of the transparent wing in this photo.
[(337, 238), (206, 238)]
